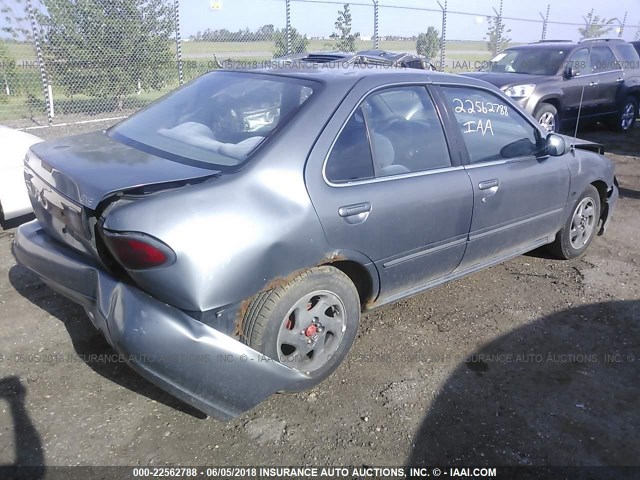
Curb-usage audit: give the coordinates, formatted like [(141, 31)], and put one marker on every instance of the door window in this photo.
[(603, 59), (491, 128), (350, 157), (394, 132), (580, 63), (405, 132)]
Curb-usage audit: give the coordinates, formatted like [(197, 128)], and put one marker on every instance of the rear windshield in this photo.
[(534, 61), (217, 120)]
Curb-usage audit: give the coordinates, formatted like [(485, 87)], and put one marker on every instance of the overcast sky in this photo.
[(318, 19)]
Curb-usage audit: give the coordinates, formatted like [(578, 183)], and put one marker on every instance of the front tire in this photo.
[(308, 324), (547, 116), (580, 228)]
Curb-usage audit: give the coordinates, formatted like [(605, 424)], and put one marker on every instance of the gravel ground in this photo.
[(531, 362)]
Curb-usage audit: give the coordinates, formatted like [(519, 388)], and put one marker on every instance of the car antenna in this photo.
[(575, 133)]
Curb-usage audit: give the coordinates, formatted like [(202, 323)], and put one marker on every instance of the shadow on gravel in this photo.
[(628, 193), (618, 143), (26, 440), (87, 341), (561, 391), (15, 222)]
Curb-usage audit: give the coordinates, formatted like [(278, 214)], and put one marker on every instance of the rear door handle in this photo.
[(593, 84), (619, 80), (356, 209), (487, 184)]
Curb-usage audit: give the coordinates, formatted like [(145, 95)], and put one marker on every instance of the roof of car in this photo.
[(567, 44), (354, 73), (544, 45)]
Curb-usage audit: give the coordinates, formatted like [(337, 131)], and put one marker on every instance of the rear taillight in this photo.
[(137, 251)]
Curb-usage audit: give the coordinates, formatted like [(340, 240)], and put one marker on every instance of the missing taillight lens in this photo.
[(136, 251)]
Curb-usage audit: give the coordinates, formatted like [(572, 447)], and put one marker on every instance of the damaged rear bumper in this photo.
[(194, 362)]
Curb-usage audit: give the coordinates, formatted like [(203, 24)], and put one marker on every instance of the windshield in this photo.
[(218, 119), (539, 61)]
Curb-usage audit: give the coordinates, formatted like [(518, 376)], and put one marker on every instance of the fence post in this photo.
[(376, 38), (176, 8), (588, 20), (288, 12), (443, 35), (499, 27), (624, 22), (545, 21), (46, 88)]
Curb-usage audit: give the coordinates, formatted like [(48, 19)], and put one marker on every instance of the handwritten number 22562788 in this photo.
[(481, 125), (478, 106)]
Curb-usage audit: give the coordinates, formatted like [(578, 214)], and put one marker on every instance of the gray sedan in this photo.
[(227, 238)]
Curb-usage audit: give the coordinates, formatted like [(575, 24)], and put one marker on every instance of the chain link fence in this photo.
[(71, 61)]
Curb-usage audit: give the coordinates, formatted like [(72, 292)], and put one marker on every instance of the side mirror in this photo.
[(569, 72), (555, 145)]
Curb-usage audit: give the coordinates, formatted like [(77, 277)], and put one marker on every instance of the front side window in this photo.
[(217, 120), (491, 128), (580, 62)]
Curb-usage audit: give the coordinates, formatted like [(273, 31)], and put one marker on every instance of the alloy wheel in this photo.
[(628, 116), (583, 223), (312, 331), (548, 121)]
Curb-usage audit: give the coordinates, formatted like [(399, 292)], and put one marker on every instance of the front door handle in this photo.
[(593, 84), (353, 210), (487, 184), (489, 188)]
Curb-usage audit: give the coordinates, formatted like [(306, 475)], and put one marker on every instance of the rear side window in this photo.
[(350, 157), (628, 56), (603, 59), (405, 131), (393, 132)]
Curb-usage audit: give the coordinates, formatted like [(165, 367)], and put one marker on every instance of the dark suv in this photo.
[(554, 80)]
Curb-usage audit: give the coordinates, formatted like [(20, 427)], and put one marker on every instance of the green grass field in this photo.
[(461, 56), (25, 51)]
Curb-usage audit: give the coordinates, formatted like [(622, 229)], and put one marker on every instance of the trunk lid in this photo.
[(90, 167), (67, 178)]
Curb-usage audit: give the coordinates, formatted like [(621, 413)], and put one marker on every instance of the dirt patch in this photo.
[(531, 362)]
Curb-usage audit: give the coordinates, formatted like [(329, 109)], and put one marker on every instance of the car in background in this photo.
[(14, 200), (373, 58), (228, 255), (636, 45), (556, 80)]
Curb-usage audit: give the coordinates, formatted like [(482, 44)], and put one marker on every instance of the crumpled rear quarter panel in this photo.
[(230, 235)]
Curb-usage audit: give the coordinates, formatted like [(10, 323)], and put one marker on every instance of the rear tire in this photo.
[(580, 228), (547, 116), (626, 116), (308, 324)]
